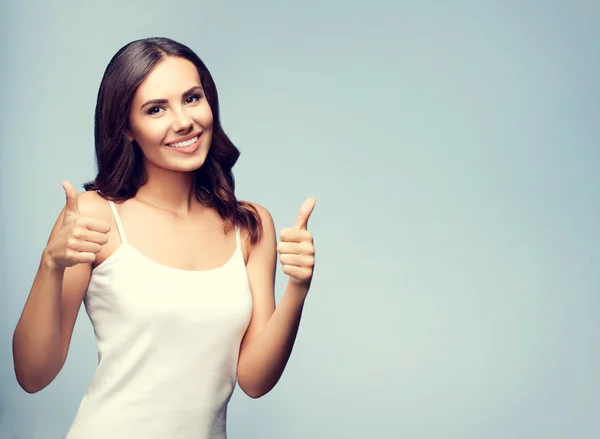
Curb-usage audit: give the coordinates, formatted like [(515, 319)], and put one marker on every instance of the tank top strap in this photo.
[(238, 238), (118, 222)]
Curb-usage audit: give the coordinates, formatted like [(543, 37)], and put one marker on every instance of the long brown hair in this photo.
[(121, 170)]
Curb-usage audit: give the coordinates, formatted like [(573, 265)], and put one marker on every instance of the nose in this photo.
[(181, 121)]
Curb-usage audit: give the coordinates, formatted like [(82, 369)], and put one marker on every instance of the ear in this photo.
[(129, 136)]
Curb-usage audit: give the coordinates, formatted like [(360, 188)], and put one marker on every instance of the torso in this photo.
[(169, 303)]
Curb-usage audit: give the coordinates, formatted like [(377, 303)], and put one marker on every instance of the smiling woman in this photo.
[(182, 308)]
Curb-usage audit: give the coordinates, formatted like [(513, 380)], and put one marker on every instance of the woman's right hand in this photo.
[(79, 239)]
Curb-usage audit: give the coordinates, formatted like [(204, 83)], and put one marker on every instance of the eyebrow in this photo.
[(166, 101)]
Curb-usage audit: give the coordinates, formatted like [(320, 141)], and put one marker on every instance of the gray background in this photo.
[(453, 150)]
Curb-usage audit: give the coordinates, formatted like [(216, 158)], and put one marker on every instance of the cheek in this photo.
[(203, 115), (150, 132)]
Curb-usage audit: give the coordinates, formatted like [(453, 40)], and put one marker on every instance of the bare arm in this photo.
[(43, 333), (271, 335)]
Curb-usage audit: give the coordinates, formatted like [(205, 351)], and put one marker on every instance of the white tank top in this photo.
[(168, 342)]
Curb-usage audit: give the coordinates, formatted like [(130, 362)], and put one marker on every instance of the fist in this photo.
[(296, 248), (79, 239)]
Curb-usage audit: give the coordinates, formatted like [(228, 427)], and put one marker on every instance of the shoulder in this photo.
[(263, 213), (92, 204), (266, 227)]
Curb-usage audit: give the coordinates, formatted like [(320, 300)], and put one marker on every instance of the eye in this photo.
[(153, 110), (193, 98)]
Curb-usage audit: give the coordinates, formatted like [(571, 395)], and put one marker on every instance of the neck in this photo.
[(168, 190)]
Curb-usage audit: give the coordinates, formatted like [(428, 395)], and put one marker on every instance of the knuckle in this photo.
[(308, 248)]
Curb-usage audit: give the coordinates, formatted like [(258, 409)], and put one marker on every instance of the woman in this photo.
[(176, 275)]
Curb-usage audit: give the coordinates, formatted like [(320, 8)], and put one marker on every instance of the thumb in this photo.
[(71, 205), (304, 214)]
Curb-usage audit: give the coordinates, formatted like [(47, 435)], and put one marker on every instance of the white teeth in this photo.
[(183, 144)]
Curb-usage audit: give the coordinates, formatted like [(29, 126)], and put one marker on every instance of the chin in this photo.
[(188, 165)]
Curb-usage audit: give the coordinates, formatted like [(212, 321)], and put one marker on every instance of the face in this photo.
[(170, 118)]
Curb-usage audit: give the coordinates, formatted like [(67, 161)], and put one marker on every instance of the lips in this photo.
[(184, 141), (188, 146), (183, 144)]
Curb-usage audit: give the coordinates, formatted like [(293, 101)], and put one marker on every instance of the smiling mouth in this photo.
[(189, 142)]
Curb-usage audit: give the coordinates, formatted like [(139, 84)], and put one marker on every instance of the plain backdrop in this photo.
[(453, 148)]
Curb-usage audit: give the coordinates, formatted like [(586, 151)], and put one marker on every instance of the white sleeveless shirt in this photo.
[(168, 342)]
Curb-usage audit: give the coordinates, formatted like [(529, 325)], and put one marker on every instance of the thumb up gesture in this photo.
[(296, 249), (79, 238)]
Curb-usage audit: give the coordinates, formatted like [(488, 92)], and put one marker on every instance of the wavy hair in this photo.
[(121, 170)]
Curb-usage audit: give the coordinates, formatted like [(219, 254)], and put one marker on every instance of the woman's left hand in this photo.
[(296, 248)]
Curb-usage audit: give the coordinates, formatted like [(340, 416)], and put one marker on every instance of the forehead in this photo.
[(171, 77)]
